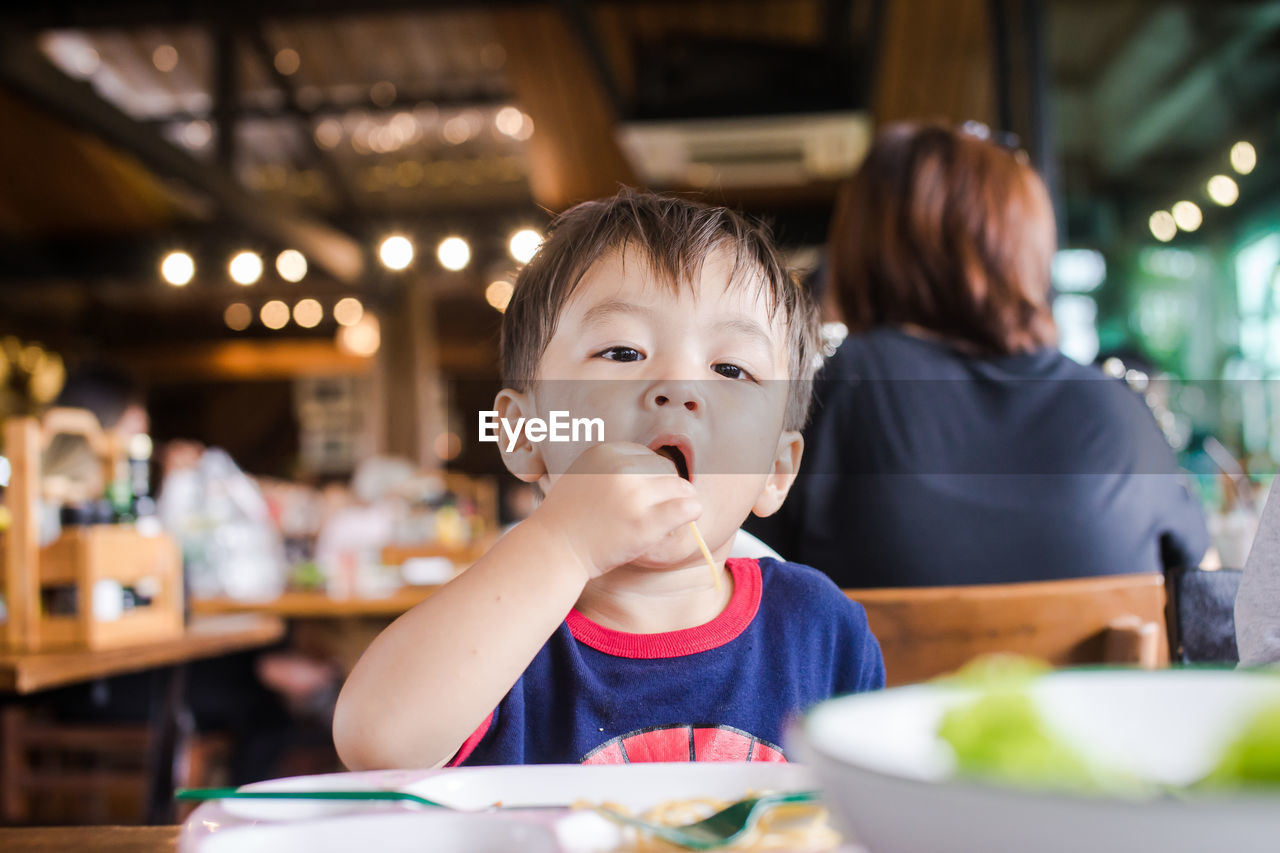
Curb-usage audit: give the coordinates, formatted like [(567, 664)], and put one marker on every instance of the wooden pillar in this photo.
[(407, 389)]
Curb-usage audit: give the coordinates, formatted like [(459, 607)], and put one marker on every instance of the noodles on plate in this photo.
[(798, 827)]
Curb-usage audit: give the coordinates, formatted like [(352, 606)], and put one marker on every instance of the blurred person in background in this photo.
[(952, 443)]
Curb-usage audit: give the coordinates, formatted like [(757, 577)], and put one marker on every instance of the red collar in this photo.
[(732, 621)]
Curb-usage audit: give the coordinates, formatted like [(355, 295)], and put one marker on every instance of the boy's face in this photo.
[(703, 370)]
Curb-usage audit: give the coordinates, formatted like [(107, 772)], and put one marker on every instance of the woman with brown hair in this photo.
[(952, 443)]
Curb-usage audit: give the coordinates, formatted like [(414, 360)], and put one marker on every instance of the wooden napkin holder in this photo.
[(84, 562)]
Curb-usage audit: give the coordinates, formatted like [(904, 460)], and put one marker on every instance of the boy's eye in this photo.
[(621, 354), (731, 371)]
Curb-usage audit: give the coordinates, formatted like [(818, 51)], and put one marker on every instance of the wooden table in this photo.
[(318, 605), (324, 627), (204, 638), (91, 839)]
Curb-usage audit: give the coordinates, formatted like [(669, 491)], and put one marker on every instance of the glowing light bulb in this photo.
[(165, 58), (498, 294), (1162, 225), (237, 316), (524, 244), (292, 265), (178, 268), (308, 313), (1187, 215), (453, 253), (1223, 190), (287, 61), (245, 268), (396, 252), (348, 311), (1243, 157), (275, 314)]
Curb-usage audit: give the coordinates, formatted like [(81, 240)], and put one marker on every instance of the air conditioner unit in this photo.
[(747, 152)]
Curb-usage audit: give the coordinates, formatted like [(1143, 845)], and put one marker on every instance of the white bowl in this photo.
[(890, 781)]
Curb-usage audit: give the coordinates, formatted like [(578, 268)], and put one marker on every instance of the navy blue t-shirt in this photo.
[(924, 466), (723, 691)]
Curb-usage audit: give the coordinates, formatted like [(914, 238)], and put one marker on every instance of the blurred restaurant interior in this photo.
[(282, 235)]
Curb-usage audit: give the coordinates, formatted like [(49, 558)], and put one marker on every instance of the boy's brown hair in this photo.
[(950, 232), (673, 236)]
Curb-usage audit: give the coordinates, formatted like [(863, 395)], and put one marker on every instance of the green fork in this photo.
[(721, 829), (236, 794)]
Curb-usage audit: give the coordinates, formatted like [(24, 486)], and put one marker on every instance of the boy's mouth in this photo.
[(677, 454)]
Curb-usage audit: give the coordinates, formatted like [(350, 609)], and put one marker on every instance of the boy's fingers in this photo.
[(677, 512)]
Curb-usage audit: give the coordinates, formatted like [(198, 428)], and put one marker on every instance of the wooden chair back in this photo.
[(929, 631)]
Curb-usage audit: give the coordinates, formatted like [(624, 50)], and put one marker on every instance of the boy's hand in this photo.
[(616, 502)]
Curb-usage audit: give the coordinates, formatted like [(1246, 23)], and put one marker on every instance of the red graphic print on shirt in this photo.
[(684, 743)]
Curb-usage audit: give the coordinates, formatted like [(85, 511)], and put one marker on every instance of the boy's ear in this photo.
[(523, 459), (786, 464)]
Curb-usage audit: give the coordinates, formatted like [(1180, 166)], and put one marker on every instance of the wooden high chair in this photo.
[(929, 631)]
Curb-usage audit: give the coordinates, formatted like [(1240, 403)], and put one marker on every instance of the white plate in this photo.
[(881, 765), (291, 824), (385, 833)]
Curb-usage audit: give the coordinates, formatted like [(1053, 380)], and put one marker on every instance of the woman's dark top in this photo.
[(923, 466)]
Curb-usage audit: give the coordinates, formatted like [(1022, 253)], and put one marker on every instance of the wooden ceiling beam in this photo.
[(583, 25), (251, 112), (306, 120), (259, 360), (573, 154), (115, 14), (243, 360), (26, 72), (935, 62)]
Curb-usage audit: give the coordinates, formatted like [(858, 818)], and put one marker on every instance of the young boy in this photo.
[(594, 631)]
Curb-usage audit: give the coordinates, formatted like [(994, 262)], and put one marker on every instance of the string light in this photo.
[(1223, 190), (275, 314), (237, 316), (308, 313), (524, 245), (1243, 157), (396, 252), (1163, 226), (245, 268), (292, 265), (287, 61), (453, 253), (165, 58), (1187, 215), (498, 294), (348, 311), (178, 268)]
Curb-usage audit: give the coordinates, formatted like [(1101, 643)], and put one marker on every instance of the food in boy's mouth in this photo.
[(677, 456)]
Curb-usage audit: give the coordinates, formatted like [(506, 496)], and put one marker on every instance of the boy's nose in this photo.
[(675, 394)]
